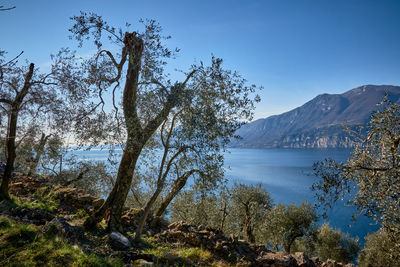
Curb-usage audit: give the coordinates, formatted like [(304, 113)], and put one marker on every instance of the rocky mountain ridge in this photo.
[(319, 122)]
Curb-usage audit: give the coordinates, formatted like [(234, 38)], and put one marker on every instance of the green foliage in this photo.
[(24, 245), (239, 210), (92, 177), (380, 250), (370, 179), (196, 209), (284, 224), (333, 244), (250, 204)]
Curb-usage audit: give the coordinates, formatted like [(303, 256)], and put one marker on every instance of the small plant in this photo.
[(81, 213)]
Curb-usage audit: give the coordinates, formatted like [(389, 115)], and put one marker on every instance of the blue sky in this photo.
[(295, 49)]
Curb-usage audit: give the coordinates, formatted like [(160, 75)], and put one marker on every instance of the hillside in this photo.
[(42, 226), (319, 122)]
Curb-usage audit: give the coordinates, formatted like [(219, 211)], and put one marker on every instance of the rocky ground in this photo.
[(58, 213)]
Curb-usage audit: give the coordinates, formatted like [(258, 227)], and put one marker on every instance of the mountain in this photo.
[(319, 122)]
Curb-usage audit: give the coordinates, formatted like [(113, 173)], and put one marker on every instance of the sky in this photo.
[(295, 49)]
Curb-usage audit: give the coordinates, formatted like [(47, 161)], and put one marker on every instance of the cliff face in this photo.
[(319, 122)]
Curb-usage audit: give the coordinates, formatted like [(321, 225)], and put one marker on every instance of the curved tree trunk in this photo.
[(176, 188), (116, 199)]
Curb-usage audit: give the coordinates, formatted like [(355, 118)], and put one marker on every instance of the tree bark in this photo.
[(39, 152), (249, 230), (146, 212), (176, 188), (12, 132), (10, 155)]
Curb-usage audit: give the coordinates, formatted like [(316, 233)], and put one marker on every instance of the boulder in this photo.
[(277, 259), (119, 242), (303, 260)]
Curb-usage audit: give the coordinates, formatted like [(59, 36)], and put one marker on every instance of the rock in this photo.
[(34, 216), (73, 199), (60, 227), (119, 242), (303, 260), (277, 259), (331, 263), (315, 260)]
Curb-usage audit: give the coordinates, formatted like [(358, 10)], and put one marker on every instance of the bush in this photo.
[(333, 244), (380, 250)]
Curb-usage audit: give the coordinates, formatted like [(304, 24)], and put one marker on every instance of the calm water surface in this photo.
[(286, 174)]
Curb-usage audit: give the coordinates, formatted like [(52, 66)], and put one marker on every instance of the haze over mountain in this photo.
[(319, 122)]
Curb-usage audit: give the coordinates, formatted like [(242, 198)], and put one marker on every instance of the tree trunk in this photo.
[(224, 215), (137, 134), (287, 247), (176, 188), (122, 186), (10, 155), (146, 212), (249, 230), (39, 152), (12, 131), (116, 199)]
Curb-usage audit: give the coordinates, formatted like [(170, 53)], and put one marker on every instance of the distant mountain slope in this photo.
[(318, 123)]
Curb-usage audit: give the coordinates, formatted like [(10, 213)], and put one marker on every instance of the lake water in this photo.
[(287, 175)]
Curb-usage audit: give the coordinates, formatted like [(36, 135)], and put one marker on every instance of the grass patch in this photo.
[(44, 200), (24, 245), (179, 255), (36, 205), (195, 254)]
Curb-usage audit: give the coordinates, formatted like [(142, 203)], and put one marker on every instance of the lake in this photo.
[(287, 175)]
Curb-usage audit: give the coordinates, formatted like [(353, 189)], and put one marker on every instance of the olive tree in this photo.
[(378, 250), (149, 98), (370, 179), (26, 96), (333, 244), (195, 208), (250, 204), (283, 225)]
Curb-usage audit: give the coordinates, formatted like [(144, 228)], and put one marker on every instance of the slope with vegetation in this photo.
[(43, 225)]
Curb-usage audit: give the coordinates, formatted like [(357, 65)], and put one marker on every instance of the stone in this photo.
[(303, 260), (119, 242), (278, 259), (60, 227)]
